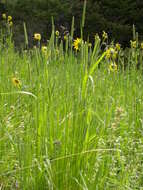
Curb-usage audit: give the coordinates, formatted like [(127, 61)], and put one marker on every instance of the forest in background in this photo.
[(115, 17)]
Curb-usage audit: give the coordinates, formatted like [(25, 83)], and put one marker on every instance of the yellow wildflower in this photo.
[(16, 82), (9, 18), (44, 49), (142, 45), (108, 54), (113, 67), (4, 16), (118, 46), (133, 44), (77, 43), (37, 36), (10, 23), (111, 53), (104, 35), (57, 33)]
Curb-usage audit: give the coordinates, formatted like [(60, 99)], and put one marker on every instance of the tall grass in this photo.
[(70, 125)]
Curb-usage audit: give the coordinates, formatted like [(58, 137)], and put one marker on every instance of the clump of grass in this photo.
[(68, 121)]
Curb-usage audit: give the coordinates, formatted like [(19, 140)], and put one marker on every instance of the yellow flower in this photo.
[(108, 54), (133, 44), (9, 18), (44, 49), (111, 53), (4, 16), (16, 82), (113, 67), (118, 46), (142, 45), (57, 33), (77, 43), (10, 23), (37, 36), (104, 35)]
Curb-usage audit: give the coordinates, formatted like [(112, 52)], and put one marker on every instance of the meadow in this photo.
[(71, 114)]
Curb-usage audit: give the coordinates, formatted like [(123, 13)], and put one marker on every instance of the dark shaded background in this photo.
[(114, 16)]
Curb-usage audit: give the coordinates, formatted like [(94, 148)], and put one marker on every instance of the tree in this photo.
[(115, 17)]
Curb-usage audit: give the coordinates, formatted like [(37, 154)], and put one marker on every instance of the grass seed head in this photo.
[(104, 36)]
